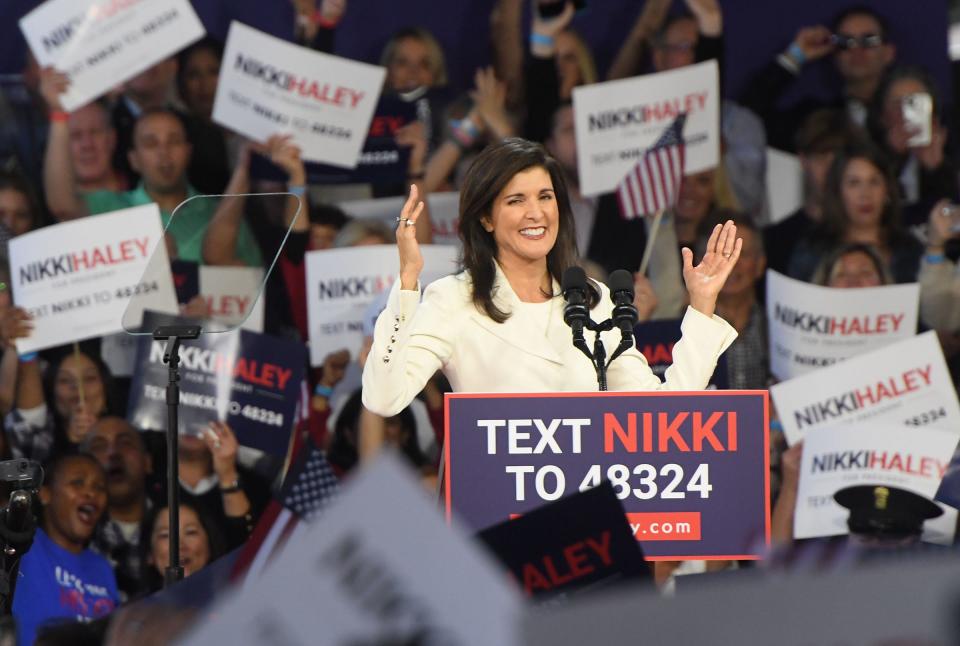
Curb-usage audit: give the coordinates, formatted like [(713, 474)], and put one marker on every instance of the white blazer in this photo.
[(530, 352)]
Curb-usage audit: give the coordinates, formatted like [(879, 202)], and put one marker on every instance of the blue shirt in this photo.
[(57, 584)]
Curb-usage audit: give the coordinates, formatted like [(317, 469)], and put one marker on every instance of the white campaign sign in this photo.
[(833, 459), (784, 184), (812, 327), (229, 293), (269, 86), (617, 121), (77, 278), (444, 213), (102, 43), (903, 384), (379, 566), (342, 283)]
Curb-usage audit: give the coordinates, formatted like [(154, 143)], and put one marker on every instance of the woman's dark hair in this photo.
[(150, 578), (11, 180), (489, 173), (207, 43), (111, 407), (825, 270), (835, 219), (346, 432)]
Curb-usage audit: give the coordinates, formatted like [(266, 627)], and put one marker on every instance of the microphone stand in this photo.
[(173, 335)]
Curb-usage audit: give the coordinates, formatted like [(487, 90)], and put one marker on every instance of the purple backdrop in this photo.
[(755, 30)]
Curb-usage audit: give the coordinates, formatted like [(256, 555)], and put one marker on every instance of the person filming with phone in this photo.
[(906, 121)]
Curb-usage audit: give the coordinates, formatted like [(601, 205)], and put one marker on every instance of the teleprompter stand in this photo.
[(173, 335)]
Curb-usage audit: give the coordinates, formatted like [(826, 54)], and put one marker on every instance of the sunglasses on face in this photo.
[(867, 41)]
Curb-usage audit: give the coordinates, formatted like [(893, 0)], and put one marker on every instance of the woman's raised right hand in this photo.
[(411, 262)]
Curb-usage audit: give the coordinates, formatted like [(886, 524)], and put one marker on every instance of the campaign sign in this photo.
[(833, 459), (230, 292), (76, 278), (903, 384), (577, 543), (812, 326), (249, 380), (102, 43), (381, 160), (378, 567), (269, 86), (689, 468), (655, 339), (342, 283), (617, 121)]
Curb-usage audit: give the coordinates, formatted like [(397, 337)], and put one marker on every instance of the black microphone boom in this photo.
[(624, 311), (576, 312)]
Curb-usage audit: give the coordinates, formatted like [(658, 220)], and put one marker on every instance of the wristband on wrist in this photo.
[(297, 189), (59, 116), (320, 21), (541, 39), (796, 53), (464, 132), (230, 487), (27, 357), (934, 258), (323, 391)]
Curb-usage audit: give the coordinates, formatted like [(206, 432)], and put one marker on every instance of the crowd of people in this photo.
[(877, 209)]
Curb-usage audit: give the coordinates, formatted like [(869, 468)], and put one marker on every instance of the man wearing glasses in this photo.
[(862, 52)]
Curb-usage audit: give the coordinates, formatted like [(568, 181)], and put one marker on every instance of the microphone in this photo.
[(575, 312), (624, 311)]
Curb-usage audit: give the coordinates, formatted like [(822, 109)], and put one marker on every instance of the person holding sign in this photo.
[(498, 326), (161, 153)]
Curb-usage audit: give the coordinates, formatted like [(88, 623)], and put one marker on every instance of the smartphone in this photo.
[(917, 110), (551, 8)]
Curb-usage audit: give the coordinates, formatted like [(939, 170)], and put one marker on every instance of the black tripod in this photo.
[(173, 335)]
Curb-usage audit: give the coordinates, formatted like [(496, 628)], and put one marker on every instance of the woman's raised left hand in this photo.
[(706, 280)]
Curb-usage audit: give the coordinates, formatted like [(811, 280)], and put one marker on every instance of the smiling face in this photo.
[(863, 190), (696, 196), (194, 542), (73, 501), (854, 269), (92, 142), (524, 218), (410, 67)]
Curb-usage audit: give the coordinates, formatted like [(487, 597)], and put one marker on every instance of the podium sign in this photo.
[(690, 468)]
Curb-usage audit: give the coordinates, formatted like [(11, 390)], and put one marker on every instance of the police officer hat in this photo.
[(883, 511)]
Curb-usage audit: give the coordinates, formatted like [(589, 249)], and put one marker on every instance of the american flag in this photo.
[(653, 183), (309, 485)]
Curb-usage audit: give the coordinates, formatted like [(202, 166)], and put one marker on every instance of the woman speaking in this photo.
[(498, 325)]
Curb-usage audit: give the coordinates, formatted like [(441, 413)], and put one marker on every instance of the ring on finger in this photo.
[(401, 219), (727, 255), (408, 222)]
